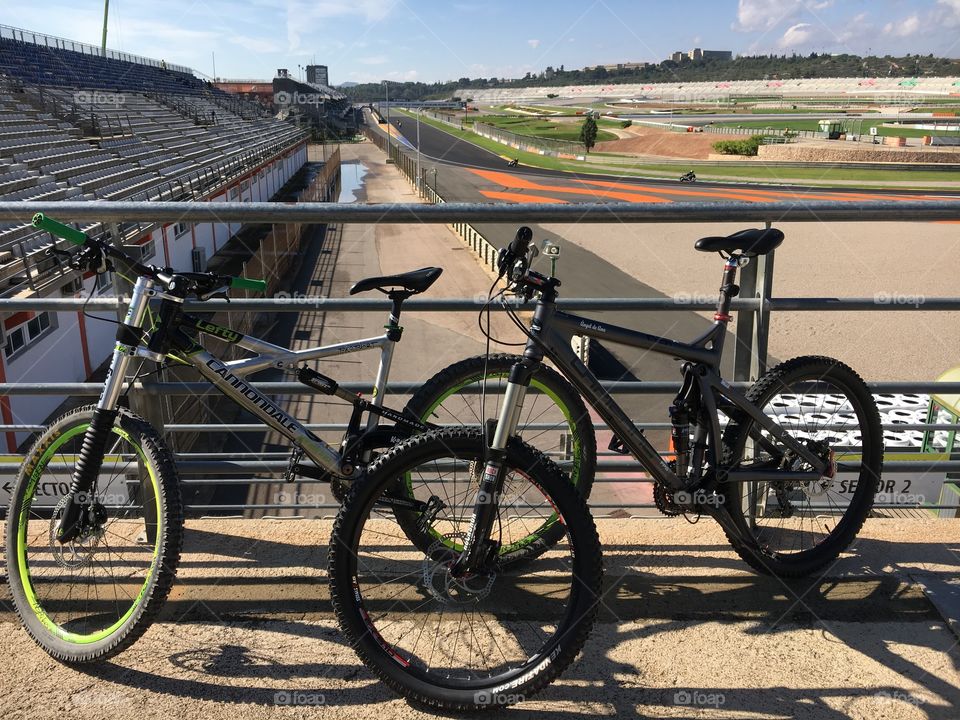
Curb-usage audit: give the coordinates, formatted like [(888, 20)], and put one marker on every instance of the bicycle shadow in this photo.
[(861, 613)]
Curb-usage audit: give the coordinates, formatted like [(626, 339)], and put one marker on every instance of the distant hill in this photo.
[(347, 85), (753, 67)]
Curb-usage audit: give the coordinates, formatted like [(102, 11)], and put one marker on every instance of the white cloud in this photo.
[(754, 15), (796, 35), (903, 28), (305, 16), (533, 43), (948, 12), (373, 60), (763, 15)]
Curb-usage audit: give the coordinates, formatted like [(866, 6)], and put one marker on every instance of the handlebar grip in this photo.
[(520, 243), (59, 229), (240, 283)]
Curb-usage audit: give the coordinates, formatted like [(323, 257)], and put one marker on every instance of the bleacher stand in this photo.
[(82, 126)]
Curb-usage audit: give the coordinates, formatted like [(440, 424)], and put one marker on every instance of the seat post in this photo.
[(728, 289), (394, 331)]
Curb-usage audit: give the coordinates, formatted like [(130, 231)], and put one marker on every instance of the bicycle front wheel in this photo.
[(92, 597), (461, 643), (799, 527)]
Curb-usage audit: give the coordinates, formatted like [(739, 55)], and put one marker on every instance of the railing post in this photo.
[(762, 330), (753, 326)]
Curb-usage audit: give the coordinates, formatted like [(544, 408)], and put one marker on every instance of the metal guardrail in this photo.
[(754, 305), (451, 212)]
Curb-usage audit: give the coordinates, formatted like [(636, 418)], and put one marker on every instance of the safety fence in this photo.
[(754, 307), (542, 146)]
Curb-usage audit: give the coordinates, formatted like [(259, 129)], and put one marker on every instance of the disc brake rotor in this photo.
[(78, 552), (444, 587)]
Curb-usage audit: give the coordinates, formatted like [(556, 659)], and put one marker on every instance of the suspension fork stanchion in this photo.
[(90, 458), (476, 548)]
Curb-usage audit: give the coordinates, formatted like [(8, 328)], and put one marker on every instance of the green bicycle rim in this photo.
[(574, 474), (23, 568)]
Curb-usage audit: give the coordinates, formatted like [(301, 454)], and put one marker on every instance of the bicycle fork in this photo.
[(478, 548), (79, 511)]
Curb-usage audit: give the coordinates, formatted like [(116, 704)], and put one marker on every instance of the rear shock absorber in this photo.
[(85, 473), (680, 434)]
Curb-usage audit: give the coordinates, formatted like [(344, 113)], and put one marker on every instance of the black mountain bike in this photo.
[(790, 477), (94, 526)]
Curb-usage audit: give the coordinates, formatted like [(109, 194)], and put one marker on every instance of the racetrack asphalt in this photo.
[(449, 151)]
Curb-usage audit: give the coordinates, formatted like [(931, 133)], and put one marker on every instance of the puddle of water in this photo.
[(351, 180)]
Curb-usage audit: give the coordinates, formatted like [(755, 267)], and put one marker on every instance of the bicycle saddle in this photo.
[(752, 242), (415, 281)]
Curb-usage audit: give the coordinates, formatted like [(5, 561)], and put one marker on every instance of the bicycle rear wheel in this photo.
[(554, 421), (477, 641), (799, 527), (90, 598)]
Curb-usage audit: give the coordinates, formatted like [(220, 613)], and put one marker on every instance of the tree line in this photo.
[(747, 67)]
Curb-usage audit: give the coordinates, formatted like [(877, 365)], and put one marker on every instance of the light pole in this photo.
[(419, 188), (386, 90)]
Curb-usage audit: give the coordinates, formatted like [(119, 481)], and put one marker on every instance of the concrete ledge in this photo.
[(686, 632)]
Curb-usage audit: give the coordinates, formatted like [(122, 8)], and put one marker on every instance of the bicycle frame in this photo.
[(552, 331), (227, 376)]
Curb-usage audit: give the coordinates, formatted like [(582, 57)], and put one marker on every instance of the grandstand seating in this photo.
[(82, 126), (892, 89)]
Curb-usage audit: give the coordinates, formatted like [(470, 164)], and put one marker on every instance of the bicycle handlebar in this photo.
[(59, 229), (78, 237), (520, 243)]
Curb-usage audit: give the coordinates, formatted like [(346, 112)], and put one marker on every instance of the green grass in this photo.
[(953, 110), (827, 177), (540, 128)]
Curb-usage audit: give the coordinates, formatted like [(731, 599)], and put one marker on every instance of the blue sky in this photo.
[(370, 40)]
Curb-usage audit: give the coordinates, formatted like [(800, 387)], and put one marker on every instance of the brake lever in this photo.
[(220, 292), (57, 252), (92, 259)]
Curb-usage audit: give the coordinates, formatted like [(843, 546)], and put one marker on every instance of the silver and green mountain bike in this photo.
[(94, 526)]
